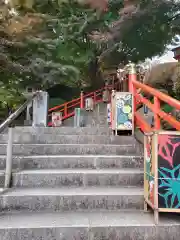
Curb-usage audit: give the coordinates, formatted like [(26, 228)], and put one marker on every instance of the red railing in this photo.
[(155, 107), (67, 108)]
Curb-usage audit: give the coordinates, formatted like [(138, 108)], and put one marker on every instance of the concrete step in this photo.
[(74, 161), (72, 149), (97, 117), (72, 199), (32, 138), (92, 225), (78, 177), (92, 121), (65, 130)]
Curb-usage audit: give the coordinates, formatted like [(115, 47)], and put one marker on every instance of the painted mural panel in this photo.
[(124, 116), (149, 169), (109, 113), (169, 171)]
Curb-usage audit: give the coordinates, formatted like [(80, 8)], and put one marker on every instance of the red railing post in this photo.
[(134, 91), (94, 98), (157, 122), (131, 87), (65, 110), (82, 100)]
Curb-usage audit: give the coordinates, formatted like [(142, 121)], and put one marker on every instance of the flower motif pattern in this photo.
[(169, 171), (124, 112), (128, 125), (127, 97), (120, 104)]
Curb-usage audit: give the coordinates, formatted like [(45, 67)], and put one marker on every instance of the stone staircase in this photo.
[(77, 184)]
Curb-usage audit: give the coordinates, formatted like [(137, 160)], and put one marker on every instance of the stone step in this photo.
[(72, 199), (31, 138), (65, 130), (72, 149), (93, 119), (78, 177), (97, 117), (74, 161), (92, 225), (91, 122)]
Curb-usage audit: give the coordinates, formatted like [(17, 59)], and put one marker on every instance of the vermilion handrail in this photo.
[(73, 105), (68, 108), (163, 97), (62, 105), (142, 123), (74, 100), (155, 108), (78, 99), (159, 112)]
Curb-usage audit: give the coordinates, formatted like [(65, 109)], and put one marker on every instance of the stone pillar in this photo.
[(40, 110), (28, 120), (28, 94), (28, 114)]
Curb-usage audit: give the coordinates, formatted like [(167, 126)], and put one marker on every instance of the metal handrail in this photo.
[(16, 114), (9, 151)]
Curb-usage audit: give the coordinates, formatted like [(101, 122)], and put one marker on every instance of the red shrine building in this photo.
[(176, 53)]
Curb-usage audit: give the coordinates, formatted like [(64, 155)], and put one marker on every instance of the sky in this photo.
[(167, 57)]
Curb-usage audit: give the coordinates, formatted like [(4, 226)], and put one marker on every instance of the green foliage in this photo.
[(60, 45), (10, 99), (147, 32), (55, 101)]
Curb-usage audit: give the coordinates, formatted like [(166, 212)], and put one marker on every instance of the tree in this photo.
[(66, 41), (118, 36), (144, 29)]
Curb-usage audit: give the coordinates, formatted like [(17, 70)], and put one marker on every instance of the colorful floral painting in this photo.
[(169, 171), (109, 113), (149, 170), (124, 111)]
